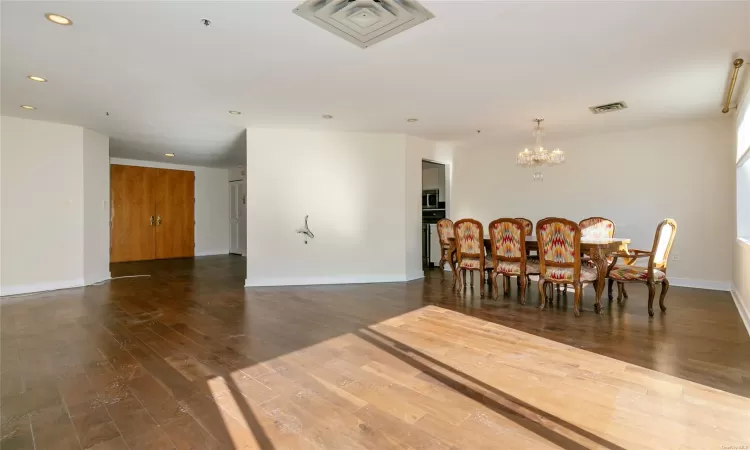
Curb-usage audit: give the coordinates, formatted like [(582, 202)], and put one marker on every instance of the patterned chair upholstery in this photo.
[(560, 258), (445, 234), (469, 238), (597, 228), (508, 247), (654, 272), (529, 225)]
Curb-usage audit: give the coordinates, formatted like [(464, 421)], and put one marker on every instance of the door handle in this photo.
[(158, 220), (152, 221)]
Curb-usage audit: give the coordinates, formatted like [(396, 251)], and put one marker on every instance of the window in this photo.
[(743, 167)]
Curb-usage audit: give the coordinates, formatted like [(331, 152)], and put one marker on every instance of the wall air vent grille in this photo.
[(609, 107), (364, 22)]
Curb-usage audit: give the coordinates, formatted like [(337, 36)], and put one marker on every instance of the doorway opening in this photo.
[(434, 201)]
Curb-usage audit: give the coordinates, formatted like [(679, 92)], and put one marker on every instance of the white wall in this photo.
[(352, 185), (236, 173), (741, 248), (95, 207), (211, 204), (41, 192), (636, 178)]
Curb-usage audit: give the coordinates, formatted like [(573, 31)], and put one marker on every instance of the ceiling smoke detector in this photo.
[(609, 107), (364, 22)]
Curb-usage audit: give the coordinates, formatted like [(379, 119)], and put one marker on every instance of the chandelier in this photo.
[(540, 156)]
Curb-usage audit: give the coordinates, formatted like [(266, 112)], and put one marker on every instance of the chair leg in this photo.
[(494, 285), (481, 280), (620, 287), (441, 264), (463, 279), (651, 294), (518, 281), (624, 291), (506, 285), (664, 289), (610, 283), (471, 275), (577, 299), (522, 280), (542, 292)]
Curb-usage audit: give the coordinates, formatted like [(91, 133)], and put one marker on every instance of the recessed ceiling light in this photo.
[(28, 107), (236, 113), (327, 116), (58, 19), (169, 154), (36, 78), (411, 120)]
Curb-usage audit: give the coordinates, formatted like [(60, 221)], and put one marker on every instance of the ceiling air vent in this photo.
[(609, 107), (364, 22)]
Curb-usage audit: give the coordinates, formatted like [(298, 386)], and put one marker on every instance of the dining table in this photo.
[(597, 249)]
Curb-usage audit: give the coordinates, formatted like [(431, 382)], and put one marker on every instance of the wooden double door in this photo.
[(153, 213)]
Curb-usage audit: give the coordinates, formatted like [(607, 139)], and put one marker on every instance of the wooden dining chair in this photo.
[(470, 254), (508, 248), (559, 242), (529, 225), (445, 234), (595, 228), (654, 272)]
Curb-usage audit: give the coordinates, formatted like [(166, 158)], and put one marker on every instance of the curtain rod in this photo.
[(737, 64)]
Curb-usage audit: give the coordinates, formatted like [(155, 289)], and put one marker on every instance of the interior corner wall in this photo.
[(636, 178), (352, 187), (41, 192), (95, 207), (211, 204), (417, 150)]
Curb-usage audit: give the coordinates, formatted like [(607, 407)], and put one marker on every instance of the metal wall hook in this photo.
[(306, 231)]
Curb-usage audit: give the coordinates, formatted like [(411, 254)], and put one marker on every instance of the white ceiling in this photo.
[(168, 82)]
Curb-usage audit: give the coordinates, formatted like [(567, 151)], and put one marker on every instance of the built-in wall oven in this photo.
[(430, 198)]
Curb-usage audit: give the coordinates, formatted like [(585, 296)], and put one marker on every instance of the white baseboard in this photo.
[(701, 284), (98, 279), (742, 307), (414, 276), (310, 281), (40, 287), (212, 253)]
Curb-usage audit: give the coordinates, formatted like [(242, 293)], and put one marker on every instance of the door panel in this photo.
[(132, 203), (243, 217), (175, 211), (234, 217)]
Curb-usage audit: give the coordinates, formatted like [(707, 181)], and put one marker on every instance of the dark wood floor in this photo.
[(126, 364)]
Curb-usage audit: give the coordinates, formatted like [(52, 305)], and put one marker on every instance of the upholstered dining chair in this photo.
[(469, 237), (596, 228), (445, 234), (508, 247), (655, 270), (559, 242), (529, 225)]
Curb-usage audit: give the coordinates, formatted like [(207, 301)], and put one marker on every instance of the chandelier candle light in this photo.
[(540, 156)]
